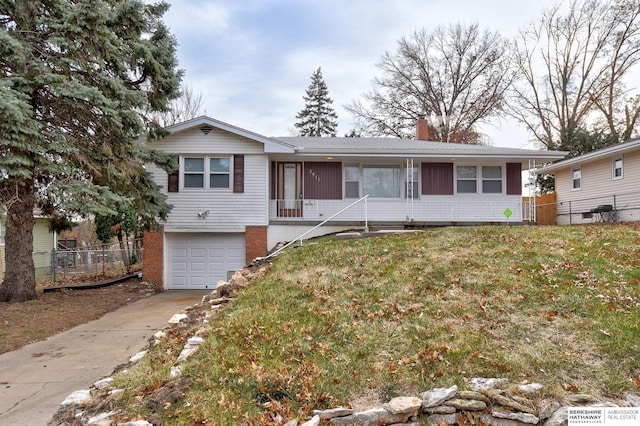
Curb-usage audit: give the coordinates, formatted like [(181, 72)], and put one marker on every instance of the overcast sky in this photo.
[(252, 60)]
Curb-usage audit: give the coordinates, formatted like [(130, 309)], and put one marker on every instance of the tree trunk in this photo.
[(20, 279)]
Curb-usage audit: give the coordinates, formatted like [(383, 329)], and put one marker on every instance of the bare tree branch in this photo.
[(572, 64), (456, 76)]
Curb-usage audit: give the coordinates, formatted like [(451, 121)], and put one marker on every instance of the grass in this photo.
[(357, 322)]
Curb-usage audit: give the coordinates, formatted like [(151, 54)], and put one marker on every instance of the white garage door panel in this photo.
[(199, 261)]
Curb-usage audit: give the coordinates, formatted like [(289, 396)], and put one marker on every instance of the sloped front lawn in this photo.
[(360, 321)]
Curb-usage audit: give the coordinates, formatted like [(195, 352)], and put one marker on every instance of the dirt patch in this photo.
[(51, 313)]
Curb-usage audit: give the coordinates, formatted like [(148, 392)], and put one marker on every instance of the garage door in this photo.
[(199, 261)]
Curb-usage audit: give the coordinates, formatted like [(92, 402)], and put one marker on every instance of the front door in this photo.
[(290, 190)]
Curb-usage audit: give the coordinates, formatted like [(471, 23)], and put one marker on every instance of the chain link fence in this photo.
[(104, 259)]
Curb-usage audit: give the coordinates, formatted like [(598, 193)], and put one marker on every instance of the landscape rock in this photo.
[(175, 372), (102, 419), (315, 421), (496, 421), (547, 407), (440, 409), (192, 344), (437, 396), (508, 402), (373, 417), (466, 404), (103, 383), (78, 398), (511, 415), (403, 405), (136, 423), (137, 357), (239, 279), (559, 418), (438, 419), (334, 412), (633, 399), (177, 318), (472, 395)]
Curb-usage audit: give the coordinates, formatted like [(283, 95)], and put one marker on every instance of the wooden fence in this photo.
[(546, 208)]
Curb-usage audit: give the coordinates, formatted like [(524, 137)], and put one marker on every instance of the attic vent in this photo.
[(206, 129)]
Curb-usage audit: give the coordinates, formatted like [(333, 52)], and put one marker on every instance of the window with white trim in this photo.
[(217, 170), (617, 168), (576, 179), (466, 179), (352, 182), (381, 181), (492, 179), (193, 173)]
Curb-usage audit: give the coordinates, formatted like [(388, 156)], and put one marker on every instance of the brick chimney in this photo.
[(422, 129)]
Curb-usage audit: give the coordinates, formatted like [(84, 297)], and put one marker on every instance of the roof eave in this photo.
[(592, 156), (270, 145)]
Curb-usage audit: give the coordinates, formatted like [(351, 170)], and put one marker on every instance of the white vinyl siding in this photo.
[(228, 211), (597, 185)]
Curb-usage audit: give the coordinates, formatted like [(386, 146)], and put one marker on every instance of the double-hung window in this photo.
[(194, 172), (576, 179), (219, 172), (617, 168), (352, 182), (491, 179), (466, 179), (216, 169)]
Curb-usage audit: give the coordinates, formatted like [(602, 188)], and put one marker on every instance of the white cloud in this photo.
[(252, 60)]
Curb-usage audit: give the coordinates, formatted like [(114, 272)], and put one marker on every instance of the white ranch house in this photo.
[(237, 194)]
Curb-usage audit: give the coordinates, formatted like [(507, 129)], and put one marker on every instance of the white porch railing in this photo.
[(428, 209), (301, 237)]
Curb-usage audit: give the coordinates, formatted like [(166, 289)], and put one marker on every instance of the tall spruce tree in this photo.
[(317, 118), (76, 78)]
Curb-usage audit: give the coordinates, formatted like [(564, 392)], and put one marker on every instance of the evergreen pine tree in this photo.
[(317, 118), (75, 78)]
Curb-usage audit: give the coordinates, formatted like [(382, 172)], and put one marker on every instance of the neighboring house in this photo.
[(237, 194), (43, 242), (602, 185)]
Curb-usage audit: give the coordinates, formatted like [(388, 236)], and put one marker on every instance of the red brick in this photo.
[(256, 242), (152, 264)]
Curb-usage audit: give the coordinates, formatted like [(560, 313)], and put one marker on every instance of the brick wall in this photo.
[(256, 242), (153, 257)]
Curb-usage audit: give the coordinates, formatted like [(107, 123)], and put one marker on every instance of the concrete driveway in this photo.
[(35, 379)]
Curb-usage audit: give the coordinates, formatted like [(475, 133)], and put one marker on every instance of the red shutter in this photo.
[(437, 178), (514, 179), (173, 183), (238, 173)]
